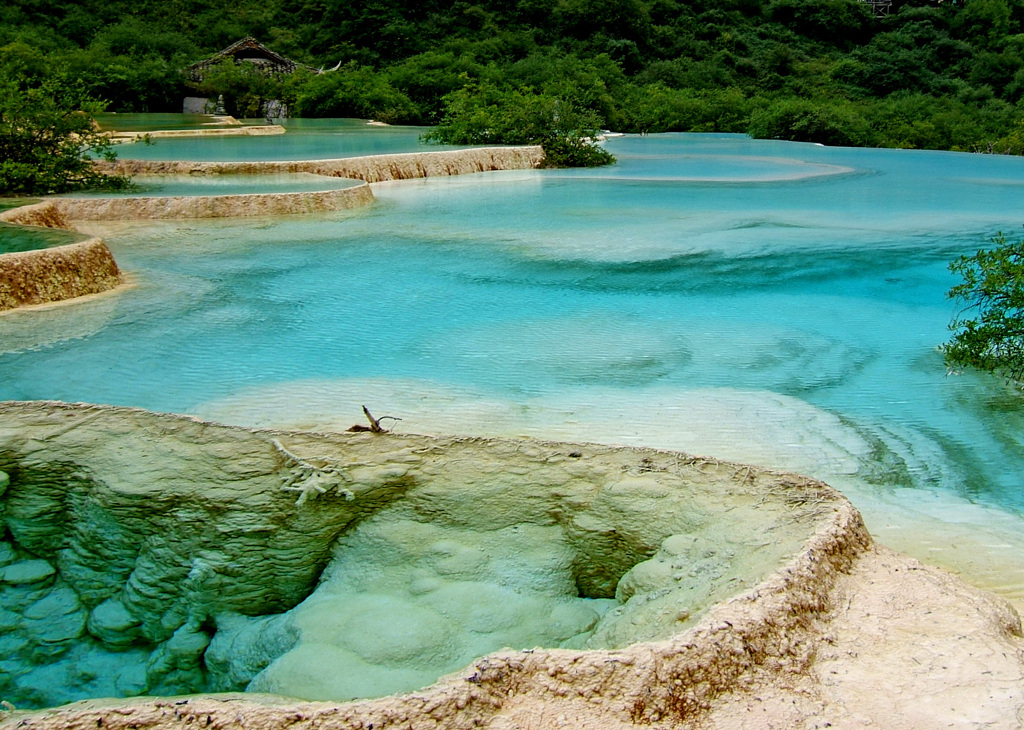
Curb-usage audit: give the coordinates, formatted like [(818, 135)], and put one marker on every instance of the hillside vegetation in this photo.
[(939, 76)]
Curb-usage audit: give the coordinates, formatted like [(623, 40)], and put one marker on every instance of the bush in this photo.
[(654, 108), (807, 121), (574, 152), (842, 22), (351, 91), (48, 138), (486, 114), (989, 330)]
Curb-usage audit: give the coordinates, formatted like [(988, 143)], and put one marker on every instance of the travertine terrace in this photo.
[(57, 274), (53, 274)]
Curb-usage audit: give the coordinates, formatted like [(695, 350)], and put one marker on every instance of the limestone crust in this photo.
[(165, 538), (212, 206), (371, 168)]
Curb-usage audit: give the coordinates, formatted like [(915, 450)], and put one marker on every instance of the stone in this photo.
[(61, 630), (55, 274), (9, 621), (19, 597), (178, 662), (27, 572), (8, 554), (56, 619), (12, 644), (187, 643), (244, 646), (113, 624), (371, 168), (450, 548), (131, 681), (59, 602)]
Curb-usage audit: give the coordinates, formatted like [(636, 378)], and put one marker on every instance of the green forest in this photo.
[(926, 75)]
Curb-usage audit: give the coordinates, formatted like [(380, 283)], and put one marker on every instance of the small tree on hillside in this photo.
[(989, 330), (49, 138)]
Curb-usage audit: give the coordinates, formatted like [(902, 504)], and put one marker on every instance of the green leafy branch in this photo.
[(989, 329)]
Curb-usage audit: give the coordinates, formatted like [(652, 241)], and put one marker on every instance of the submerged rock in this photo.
[(7, 554), (57, 618), (27, 572), (113, 624)]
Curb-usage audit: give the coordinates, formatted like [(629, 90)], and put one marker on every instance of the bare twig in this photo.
[(374, 426)]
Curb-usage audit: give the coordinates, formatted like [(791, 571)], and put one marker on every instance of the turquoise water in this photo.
[(156, 186), (18, 238), (110, 121), (306, 139), (770, 302)]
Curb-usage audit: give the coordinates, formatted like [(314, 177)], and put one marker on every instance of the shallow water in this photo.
[(18, 238), (305, 139), (769, 302), (112, 121)]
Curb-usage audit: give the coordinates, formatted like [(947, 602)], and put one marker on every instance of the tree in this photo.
[(800, 120), (487, 114), (989, 330), (49, 139), (351, 91), (845, 23)]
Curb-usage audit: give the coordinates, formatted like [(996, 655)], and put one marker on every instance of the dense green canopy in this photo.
[(944, 75)]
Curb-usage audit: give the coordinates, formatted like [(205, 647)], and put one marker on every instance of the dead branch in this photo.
[(374, 426)]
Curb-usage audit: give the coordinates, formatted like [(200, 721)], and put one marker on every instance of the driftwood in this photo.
[(374, 426)]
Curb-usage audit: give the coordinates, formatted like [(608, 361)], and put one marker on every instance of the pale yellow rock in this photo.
[(56, 274), (212, 206), (372, 168), (53, 274), (261, 130)]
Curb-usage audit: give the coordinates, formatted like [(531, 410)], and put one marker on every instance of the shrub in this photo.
[(807, 121), (48, 138), (989, 329), (486, 114)]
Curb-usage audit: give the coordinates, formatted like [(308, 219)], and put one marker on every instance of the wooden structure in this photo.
[(881, 7), (248, 50)]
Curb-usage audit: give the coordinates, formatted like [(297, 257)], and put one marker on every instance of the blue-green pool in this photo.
[(14, 239), (305, 139), (110, 121), (760, 301)]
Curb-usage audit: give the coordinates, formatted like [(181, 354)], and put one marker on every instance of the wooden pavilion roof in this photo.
[(248, 50)]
